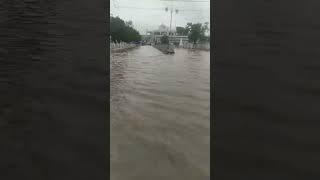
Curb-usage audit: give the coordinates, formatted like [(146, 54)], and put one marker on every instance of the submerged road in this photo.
[(160, 107)]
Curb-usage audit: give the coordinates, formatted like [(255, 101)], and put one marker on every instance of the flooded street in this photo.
[(160, 107)]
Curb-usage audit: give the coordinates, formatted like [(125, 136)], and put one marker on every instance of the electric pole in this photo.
[(170, 23), (171, 11)]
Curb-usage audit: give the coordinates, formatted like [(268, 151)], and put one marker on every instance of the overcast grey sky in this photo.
[(149, 14)]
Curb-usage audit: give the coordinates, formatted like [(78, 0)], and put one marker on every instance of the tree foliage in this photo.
[(181, 31), (129, 23), (196, 32), (123, 31), (164, 39)]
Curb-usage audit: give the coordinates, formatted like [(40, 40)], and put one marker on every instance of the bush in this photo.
[(164, 39)]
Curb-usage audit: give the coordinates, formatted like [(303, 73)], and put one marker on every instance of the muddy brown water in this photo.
[(160, 114)]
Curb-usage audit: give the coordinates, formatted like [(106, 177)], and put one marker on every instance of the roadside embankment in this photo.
[(200, 46), (116, 47), (165, 48)]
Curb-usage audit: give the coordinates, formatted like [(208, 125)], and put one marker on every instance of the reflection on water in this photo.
[(160, 114)]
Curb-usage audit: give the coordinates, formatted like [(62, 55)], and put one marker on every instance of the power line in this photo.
[(161, 9), (128, 7), (184, 1), (190, 10)]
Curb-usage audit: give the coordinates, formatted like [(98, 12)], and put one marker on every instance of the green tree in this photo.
[(196, 32), (123, 31), (164, 39), (188, 28), (181, 31), (129, 23), (204, 29)]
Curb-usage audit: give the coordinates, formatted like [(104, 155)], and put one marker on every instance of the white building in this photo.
[(164, 30)]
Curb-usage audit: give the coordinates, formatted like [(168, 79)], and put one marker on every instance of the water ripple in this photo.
[(157, 96)]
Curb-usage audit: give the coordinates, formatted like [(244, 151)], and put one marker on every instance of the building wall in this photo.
[(176, 39), (172, 39)]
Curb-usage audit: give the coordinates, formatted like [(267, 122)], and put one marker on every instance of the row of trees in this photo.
[(195, 32), (123, 31)]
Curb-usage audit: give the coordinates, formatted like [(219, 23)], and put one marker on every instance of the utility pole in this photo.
[(171, 11), (170, 22)]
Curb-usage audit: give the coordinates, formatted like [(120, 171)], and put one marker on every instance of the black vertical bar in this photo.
[(266, 93), (53, 120)]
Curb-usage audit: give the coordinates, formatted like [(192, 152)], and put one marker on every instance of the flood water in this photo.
[(160, 115)]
